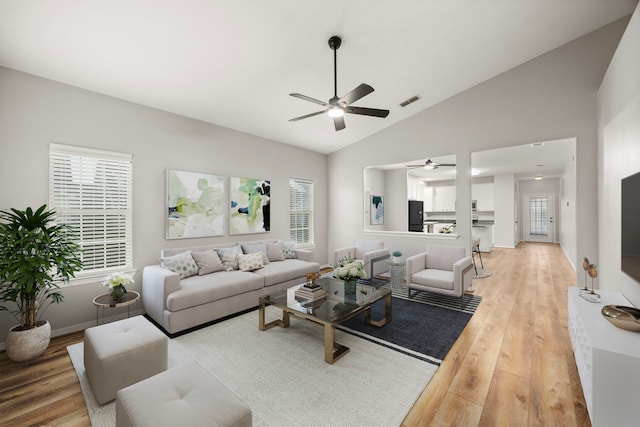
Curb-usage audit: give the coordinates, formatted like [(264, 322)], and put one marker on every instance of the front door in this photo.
[(538, 218)]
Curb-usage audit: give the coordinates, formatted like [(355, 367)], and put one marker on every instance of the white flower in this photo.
[(117, 279), (349, 269)]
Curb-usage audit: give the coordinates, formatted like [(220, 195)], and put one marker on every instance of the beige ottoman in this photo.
[(122, 353), (186, 395)]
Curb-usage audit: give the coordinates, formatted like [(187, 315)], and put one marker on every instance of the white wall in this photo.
[(396, 209), (504, 188), (35, 111), (551, 97), (567, 210), (618, 156)]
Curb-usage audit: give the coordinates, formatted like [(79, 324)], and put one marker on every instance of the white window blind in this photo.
[(91, 192), (301, 211)]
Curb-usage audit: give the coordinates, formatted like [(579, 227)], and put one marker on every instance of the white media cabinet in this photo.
[(608, 360)]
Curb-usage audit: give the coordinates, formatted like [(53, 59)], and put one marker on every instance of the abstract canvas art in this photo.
[(250, 205), (377, 210), (195, 204)]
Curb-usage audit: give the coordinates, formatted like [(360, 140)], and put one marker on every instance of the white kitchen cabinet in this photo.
[(607, 358), (485, 233), (444, 198), (483, 193)]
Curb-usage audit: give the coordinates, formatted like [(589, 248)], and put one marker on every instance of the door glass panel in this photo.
[(538, 220)]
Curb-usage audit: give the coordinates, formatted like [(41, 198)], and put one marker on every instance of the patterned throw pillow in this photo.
[(257, 247), (229, 257), (289, 250), (181, 263), (274, 251), (208, 262), (250, 262)]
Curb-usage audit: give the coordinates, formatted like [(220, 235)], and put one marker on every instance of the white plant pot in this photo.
[(29, 344), (396, 259)]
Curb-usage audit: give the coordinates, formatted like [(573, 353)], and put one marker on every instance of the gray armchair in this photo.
[(366, 251), (443, 270)]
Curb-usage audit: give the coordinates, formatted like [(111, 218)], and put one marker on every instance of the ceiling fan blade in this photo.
[(308, 98), (359, 92), (338, 122), (367, 111), (306, 116)]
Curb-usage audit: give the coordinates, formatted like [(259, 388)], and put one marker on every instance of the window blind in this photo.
[(301, 211), (91, 192)]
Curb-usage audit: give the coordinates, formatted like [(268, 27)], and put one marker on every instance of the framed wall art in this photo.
[(377, 210), (250, 208), (195, 204)]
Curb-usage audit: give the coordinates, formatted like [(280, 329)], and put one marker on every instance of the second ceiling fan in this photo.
[(337, 107)]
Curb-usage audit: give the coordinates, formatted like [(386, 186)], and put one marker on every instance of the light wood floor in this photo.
[(512, 366)]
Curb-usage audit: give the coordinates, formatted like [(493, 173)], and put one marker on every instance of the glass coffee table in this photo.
[(329, 312)]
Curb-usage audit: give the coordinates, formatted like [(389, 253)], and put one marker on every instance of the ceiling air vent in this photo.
[(410, 100)]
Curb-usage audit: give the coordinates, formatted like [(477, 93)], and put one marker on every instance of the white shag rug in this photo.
[(281, 374)]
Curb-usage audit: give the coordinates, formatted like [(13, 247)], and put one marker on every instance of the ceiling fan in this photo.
[(336, 107), (430, 164)]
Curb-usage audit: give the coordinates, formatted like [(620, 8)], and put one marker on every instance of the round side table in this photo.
[(397, 272), (105, 301)]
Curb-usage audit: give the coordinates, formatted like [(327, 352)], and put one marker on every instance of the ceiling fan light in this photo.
[(335, 112)]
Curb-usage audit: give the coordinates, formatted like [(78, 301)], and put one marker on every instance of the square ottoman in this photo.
[(122, 353), (186, 395)]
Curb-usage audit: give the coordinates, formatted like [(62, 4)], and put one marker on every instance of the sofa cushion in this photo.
[(443, 257), (274, 251), (229, 257), (181, 263), (250, 262), (433, 278), (199, 290), (279, 272), (289, 250), (256, 247), (208, 262)]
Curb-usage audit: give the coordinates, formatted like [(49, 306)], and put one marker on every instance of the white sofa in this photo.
[(178, 304)]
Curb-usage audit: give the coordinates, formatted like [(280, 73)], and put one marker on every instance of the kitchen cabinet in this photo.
[(444, 198), (485, 233), (483, 193)]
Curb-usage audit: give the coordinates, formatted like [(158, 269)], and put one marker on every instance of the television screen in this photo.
[(631, 226)]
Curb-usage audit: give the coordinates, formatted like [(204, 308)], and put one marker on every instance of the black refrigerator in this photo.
[(416, 217)]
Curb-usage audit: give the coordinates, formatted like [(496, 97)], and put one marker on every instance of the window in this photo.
[(301, 211), (91, 192)]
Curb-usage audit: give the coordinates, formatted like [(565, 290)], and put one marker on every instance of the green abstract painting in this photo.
[(195, 204), (250, 205)]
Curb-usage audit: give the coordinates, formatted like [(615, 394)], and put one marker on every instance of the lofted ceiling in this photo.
[(234, 63)]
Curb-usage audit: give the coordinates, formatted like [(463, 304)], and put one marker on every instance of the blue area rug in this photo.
[(421, 330)]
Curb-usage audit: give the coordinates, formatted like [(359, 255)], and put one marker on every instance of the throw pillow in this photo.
[(274, 251), (257, 247), (181, 263), (229, 257), (208, 262), (289, 250), (250, 262)]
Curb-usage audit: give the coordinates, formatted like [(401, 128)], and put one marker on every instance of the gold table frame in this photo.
[(332, 350)]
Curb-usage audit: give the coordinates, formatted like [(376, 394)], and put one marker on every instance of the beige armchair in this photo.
[(371, 253), (443, 270)]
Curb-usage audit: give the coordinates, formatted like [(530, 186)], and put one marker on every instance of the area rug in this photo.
[(418, 329), (281, 374)]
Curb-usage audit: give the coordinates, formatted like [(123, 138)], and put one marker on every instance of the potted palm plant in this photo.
[(35, 255)]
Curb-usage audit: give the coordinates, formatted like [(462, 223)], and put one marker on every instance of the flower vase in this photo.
[(350, 287), (118, 292)]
